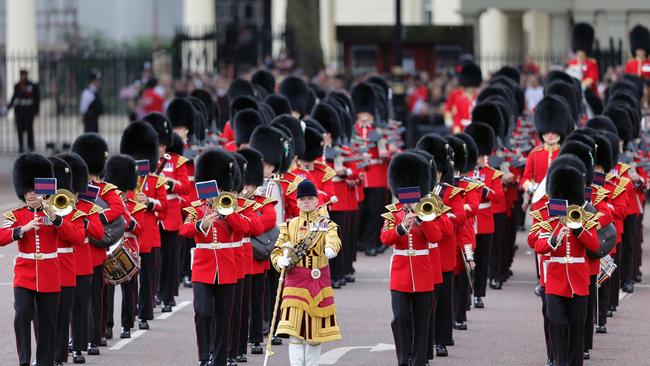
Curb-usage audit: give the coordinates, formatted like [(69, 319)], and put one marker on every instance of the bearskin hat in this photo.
[(296, 91), (432, 165), (177, 147), (288, 158), (364, 99), (121, 171), (460, 152), (200, 117), (181, 114), (409, 169), (310, 122), (27, 167), (582, 38), (471, 149), (612, 138), (266, 113), (622, 121), (240, 87), (509, 72), (161, 124), (295, 129), (602, 123), (593, 101), (344, 99), (439, 149), (567, 161), (490, 114), (553, 114), (564, 90), (470, 75), (240, 174), (515, 89), (483, 135), (79, 171), (636, 80), (639, 39), (498, 91), (211, 107), (328, 117), (584, 153), (271, 144), (219, 165), (62, 173), (380, 82), (93, 150), (625, 84), (604, 152), (279, 104), (566, 183), (240, 103), (265, 79), (245, 122), (255, 168), (140, 141), (313, 145)]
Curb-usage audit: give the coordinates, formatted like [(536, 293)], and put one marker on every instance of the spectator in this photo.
[(534, 91)]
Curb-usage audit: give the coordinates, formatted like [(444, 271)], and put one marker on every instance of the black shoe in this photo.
[(349, 278), (371, 252), (538, 290), (495, 284), (143, 324), (256, 349), (109, 333), (441, 351), (57, 363), (586, 355), (70, 346), (336, 284), (478, 303), (125, 333), (93, 350), (613, 308), (172, 302), (628, 287), (638, 277), (343, 281), (382, 248), (187, 282), (610, 313), (166, 308), (78, 357), (452, 343), (241, 358), (102, 342), (204, 363), (549, 362), (231, 362), (276, 341), (602, 329), (460, 326), (158, 301)]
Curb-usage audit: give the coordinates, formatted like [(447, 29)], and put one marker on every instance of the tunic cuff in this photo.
[(16, 234), (57, 221)]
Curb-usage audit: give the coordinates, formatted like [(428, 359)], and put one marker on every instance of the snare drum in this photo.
[(122, 263)]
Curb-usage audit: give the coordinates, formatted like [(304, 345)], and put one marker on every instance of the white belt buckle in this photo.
[(410, 252), (38, 256), (569, 259), (315, 273)]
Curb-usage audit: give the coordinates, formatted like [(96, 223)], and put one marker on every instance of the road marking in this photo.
[(138, 333), (332, 356)]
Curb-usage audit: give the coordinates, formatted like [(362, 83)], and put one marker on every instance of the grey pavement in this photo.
[(507, 332)]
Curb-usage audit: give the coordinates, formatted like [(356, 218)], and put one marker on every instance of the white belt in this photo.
[(213, 246), (485, 205), (65, 250), (172, 196), (338, 179), (433, 245), (37, 256), (567, 260), (375, 161), (410, 252), (246, 241)]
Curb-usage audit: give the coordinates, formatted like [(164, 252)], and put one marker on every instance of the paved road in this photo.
[(507, 332)]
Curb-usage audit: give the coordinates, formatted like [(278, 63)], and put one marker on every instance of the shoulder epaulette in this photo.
[(108, 187), (191, 211), (455, 191), (329, 173), (388, 216), (592, 221), (624, 168), (247, 203), (181, 160), (9, 215), (196, 203), (620, 188), (78, 214), (161, 181), (537, 215), (545, 224), (294, 185), (392, 207), (138, 207), (601, 194), (496, 173), (95, 209), (537, 148), (267, 201), (472, 185)]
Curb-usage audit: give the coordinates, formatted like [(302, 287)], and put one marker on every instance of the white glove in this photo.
[(283, 262), (330, 253)]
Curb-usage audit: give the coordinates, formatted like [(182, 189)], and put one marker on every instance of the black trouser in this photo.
[(109, 307), (91, 124), (273, 277), (185, 258), (245, 315), (443, 313), (168, 270), (129, 304), (96, 305), (235, 320), (66, 299), (80, 313), (212, 312), (155, 273), (567, 321), (638, 249), (145, 292), (258, 288), (499, 244), (371, 209), (337, 264), (350, 250), (481, 256), (41, 307), (615, 280), (547, 326), (603, 303), (627, 263), (411, 312), (461, 290), (590, 313), (25, 124)]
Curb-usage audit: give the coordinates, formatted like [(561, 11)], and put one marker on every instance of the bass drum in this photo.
[(122, 263)]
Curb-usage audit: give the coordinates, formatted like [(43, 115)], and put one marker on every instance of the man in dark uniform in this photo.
[(26, 100), (91, 106)]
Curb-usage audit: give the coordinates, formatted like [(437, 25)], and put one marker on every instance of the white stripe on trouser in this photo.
[(296, 351)]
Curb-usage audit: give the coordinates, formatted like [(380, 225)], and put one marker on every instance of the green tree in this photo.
[(303, 34)]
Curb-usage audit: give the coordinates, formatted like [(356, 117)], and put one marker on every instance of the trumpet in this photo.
[(62, 202), (575, 217), (429, 208), (225, 203)]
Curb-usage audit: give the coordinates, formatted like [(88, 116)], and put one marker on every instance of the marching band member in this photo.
[(639, 65), (461, 100), (582, 66)]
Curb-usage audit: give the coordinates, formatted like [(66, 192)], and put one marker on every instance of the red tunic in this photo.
[(599, 198), (377, 170), (638, 68), (460, 104), (154, 189), (116, 209), (94, 229), (245, 252), (492, 193), (66, 249), (588, 69), (537, 163), (453, 198), (176, 171), (345, 186), (265, 209)]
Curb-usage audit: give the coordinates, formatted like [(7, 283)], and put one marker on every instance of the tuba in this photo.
[(62, 202)]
